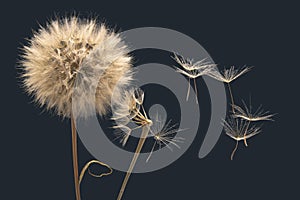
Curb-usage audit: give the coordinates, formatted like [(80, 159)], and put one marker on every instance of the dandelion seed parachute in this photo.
[(193, 70), (164, 134), (247, 114), (229, 75), (239, 129)]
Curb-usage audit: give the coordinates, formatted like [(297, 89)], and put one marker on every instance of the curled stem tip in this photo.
[(87, 165)]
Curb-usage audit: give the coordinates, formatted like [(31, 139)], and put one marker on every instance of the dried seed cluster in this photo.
[(130, 109), (55, 56)]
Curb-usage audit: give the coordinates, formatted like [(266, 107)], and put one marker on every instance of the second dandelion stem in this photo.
[(145, 131)]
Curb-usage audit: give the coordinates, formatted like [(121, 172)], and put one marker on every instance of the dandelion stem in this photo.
[(245, 140), (145, 131), (234, 150), (75, 158), (231, 97), (196, 90), (189, 88)]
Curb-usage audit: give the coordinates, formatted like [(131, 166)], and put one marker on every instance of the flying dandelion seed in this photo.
[(227, 76), (51, 64), (238, 130), (249, 116), (164, 134), (193, 70)]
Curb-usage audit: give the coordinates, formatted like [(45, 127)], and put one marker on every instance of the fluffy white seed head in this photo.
[(75, 58)]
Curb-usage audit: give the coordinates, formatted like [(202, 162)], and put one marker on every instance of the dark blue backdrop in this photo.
[(36, 146)]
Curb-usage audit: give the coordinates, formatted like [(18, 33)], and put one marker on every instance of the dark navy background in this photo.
[(36, 146)]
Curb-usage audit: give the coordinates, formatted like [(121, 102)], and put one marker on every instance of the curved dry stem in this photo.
[(75, 158), (234, 150), (87, 165), (145, 131)]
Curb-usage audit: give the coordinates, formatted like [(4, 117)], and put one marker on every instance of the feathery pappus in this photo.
[(193, 70), (52, 60)]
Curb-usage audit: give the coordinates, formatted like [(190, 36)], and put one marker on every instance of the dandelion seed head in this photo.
[(53, 58), (128, 105), (129, 109)]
